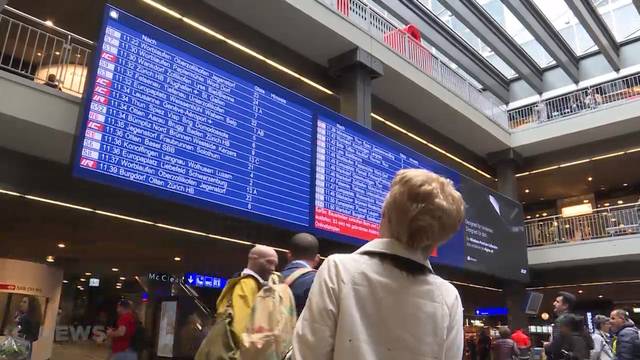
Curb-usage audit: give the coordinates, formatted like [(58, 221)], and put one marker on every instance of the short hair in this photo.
[(422, 209), (574, 322), (505, 332), (600, 320), (124, 303), (568, 298), (304, 246), (622, 313)]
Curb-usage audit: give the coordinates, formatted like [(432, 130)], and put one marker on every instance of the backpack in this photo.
[(273, 318), (219, 344), (139, 338)]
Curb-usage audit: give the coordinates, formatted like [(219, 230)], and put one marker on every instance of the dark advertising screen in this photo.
[(167, 118)]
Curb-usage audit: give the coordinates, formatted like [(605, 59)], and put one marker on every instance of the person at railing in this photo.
[(52, 82), (593, 99), (541, 111)]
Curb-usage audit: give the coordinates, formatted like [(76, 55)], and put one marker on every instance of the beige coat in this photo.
[(360, 308)]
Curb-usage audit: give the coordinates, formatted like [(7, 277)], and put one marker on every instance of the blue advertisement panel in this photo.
[(167, 118)]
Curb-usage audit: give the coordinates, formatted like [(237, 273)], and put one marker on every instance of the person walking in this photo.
[(625, 336), (505, 348), (384, 301), (484, 345), (122, 336), (601, 340)]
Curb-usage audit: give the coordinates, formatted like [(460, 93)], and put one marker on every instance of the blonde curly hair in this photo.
[(422, 209)]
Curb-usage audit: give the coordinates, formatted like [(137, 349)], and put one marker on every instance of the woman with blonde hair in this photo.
[(384, 301)]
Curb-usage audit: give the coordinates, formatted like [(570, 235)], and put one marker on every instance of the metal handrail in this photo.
[(378, 26), (602, 223), (589, 99), (36, 54)]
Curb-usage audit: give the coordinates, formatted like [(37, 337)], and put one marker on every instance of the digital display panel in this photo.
[(165, 117)]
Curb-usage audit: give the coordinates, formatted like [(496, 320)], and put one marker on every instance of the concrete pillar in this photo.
[(355, 71), (506, 163)]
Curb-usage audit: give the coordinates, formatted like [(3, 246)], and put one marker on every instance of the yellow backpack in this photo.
[(273, 318)]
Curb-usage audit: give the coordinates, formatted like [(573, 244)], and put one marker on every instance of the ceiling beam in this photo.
[(471, 14), (542, 30), (451, 45), (595, 26)]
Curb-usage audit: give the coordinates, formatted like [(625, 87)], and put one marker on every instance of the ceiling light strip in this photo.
[(239, 46), (577, 162), (475, 286), (434, 147), (133, 219), (586, 284)]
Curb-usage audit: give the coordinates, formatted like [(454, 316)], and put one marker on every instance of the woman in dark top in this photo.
[(505, 348), (574, 343), (28, 318)]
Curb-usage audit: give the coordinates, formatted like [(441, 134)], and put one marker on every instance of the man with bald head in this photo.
[(303, 259), (241, 292)]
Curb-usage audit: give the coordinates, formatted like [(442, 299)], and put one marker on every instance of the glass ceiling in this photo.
[(443, 14), (567, 25), (621, 17), (505, 18)]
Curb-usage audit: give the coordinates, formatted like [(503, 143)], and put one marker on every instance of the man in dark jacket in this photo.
[(303, 254), (563, 305), (625, 336)]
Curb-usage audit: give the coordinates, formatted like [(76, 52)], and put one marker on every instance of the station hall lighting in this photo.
[(620, 202), (177, 258), (625, 184), (300, 77), (173, 228), (48, 23), (115, 269), (62, 245), (580, 291), (527, 191), (83, 279), (589, 178), (122, 278), (88, 274), (50, 259), (582, 161), (65, 281)]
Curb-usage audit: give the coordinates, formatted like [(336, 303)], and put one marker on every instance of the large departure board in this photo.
[(167, 118), (353, 175)]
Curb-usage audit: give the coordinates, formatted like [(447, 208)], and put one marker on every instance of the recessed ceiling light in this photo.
[(580, 291), (544, 214), (88, 274), (620, 202), (606, 204), (614, 220), (39, 54), (118, 284), (62, 245), (122, 278), (177, 258), (529, 217), (83, 279), (65, 281), (589, 178), (600, 296), (49, 23), (50, 259), (527, 191), (625, 184), (586, 201), (57, 52), (115, 269)]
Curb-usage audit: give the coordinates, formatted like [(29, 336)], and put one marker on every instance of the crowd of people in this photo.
[(381, 302)]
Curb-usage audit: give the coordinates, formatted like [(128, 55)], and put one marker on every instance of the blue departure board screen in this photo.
[(173, 121), (167, 118)]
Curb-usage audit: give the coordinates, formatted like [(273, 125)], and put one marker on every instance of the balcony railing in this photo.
[(581, 101), (38, 51), (376, 24), (602, 223)]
